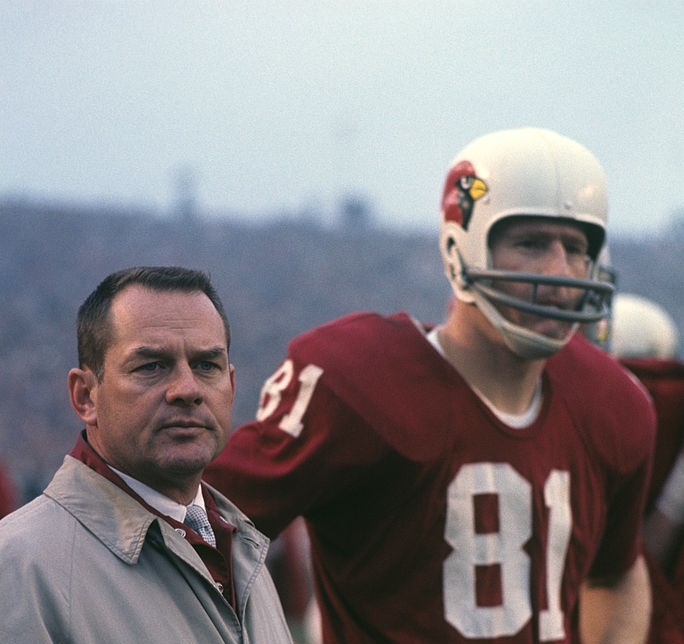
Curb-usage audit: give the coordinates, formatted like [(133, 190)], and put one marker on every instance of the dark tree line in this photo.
[(276, 279)]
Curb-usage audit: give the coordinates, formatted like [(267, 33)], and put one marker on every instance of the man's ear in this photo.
[(82, 384), (231, 368)]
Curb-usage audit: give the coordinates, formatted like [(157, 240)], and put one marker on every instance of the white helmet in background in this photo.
[(642, 329), (527, 172)]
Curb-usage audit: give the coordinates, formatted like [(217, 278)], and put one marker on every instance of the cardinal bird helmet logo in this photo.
[(463, 188)]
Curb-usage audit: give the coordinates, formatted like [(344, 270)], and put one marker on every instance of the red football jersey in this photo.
[(430, 520), (664, 379)]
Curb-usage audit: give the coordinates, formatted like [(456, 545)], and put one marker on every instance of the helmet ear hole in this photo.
[(449, 256)]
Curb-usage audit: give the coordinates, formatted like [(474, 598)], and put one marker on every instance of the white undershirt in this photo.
[(159, 501), (516, 421)]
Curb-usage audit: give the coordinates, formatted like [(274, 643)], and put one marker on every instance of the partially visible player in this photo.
[(475, 481), (645, 339)]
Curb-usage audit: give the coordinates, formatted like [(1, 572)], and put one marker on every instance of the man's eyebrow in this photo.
[(547, 234), (148, 352), (145, 351), (214, 352)]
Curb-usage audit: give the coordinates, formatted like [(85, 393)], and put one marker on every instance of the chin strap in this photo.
[(523, 342)]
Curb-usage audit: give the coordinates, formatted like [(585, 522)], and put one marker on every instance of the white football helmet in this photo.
[(522, 172), (642, 329)]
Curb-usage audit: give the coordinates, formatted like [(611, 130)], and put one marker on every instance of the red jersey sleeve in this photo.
[(278, 467)]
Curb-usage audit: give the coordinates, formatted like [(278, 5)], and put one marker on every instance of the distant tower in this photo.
[(355, 213), (185, 184)]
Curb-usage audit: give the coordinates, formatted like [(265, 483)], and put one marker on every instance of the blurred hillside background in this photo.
[(277, 278)]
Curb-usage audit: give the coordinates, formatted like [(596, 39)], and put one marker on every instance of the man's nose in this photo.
[(558, 261), (183, 386)]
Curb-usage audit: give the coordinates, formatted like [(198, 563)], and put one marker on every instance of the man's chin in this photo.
[(188, 460)]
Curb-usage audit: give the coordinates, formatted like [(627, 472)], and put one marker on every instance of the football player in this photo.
[(645, 339), (482, 480)]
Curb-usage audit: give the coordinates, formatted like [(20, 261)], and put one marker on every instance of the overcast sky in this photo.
[(285, 106)]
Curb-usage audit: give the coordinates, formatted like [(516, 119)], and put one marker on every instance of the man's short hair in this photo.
[(94, 332)]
